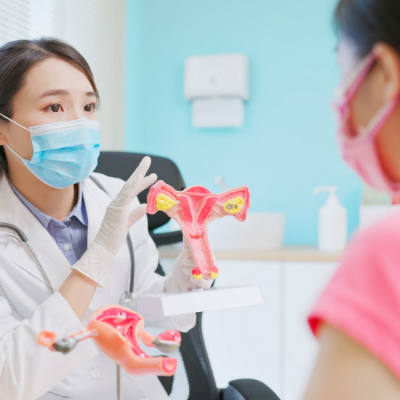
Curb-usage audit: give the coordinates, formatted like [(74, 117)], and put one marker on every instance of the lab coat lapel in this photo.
[(13, 211)]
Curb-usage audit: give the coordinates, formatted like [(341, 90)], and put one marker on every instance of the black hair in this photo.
[(367, 22), (17, 58)]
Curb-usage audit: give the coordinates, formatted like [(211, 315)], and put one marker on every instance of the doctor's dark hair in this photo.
[(367, 22), (17, 58)]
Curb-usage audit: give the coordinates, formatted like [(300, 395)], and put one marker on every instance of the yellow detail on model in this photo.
[(233, 206), (164, 202), (214, 275), (199, 276)]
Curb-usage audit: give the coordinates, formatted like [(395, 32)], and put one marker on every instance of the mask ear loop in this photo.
[(378, 120), (13, 151), (360, 74), (16, 123), (345, 94)]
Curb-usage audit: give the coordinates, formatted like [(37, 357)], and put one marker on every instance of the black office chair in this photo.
[(200, 382)]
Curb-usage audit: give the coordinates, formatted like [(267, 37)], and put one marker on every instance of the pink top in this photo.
[(363, 298)]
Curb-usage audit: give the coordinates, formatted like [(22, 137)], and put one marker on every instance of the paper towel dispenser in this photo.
[(217, 86)]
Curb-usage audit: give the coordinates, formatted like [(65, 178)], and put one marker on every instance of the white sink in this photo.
[(261, 231)]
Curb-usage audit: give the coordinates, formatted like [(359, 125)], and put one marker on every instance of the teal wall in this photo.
[(287, 145)]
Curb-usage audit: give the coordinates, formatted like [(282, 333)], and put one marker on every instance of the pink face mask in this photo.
[(358, 147)]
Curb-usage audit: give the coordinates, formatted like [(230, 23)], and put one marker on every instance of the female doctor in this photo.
[(49, 145)]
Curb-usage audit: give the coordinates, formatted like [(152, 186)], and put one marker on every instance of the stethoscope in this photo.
[(126, 298)]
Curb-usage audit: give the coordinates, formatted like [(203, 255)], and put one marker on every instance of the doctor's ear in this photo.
[(389, 63), (3, 139)]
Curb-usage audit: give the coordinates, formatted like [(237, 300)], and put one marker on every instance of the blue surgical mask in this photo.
[(64, 153)]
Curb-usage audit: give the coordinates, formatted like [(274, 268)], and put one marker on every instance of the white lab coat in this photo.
[(29, 371)]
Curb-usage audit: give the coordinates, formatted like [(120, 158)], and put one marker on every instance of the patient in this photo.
[(357, 319)]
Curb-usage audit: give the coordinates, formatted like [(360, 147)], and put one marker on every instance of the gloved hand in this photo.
[(181, 278), (96, 262)]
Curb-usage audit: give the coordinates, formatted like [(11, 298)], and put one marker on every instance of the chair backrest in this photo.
[(122, 164)]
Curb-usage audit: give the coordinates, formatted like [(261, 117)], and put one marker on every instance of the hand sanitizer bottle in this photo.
[(332, 221)]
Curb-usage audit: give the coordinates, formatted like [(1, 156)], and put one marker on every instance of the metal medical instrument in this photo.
[(21, 236)]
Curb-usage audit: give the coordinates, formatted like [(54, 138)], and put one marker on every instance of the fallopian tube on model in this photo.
[(193, 209), (116, 331)]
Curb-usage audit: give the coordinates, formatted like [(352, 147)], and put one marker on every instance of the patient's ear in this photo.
[(389, 61)]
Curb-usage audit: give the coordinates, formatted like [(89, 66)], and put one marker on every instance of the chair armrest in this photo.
[(248, 389)]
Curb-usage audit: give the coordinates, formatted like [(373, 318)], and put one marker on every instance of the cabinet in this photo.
[(302, 284), (245, 342), (271, 342)]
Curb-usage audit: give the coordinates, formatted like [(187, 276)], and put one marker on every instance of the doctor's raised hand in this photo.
[(181, 277), (119, 218), (96, 262)]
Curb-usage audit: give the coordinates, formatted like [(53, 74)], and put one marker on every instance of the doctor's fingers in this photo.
[(141, 185), (200, 283), (196, 283), (185, 244), (136, 214), (137, 175), (139, 172), (133, 187), (142, 168), (187, 258), (187, 271), (188, 262), (187, 253)]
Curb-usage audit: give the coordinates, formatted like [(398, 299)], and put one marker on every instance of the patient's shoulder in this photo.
[(363, 297), (383, 237)]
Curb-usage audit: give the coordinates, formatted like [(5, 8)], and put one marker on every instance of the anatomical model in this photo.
[(116, 330), (193, 209)]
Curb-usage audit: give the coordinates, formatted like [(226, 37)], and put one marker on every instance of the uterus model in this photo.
[(116, 331), (194, 208)]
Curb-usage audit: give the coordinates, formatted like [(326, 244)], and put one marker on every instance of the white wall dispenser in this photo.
[(217, 86)]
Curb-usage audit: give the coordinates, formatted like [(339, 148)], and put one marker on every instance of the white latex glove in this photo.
[(181, 278), (96, 262)]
